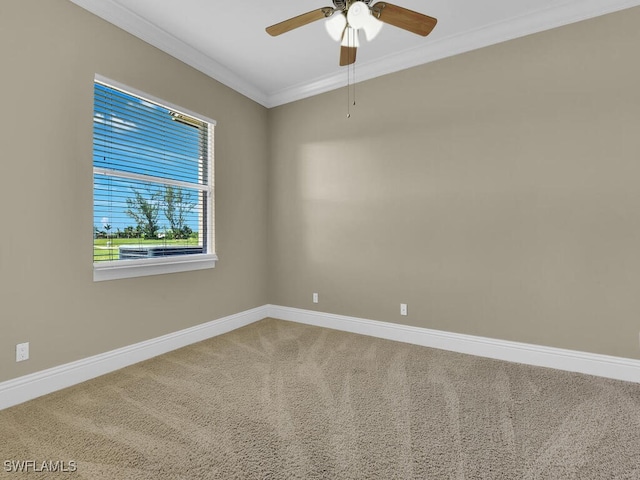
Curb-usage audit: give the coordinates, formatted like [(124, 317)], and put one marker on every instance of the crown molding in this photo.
[(132, 23), (570, 12), (564, 14)]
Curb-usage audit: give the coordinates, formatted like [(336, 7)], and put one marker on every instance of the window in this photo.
[(152, 185)]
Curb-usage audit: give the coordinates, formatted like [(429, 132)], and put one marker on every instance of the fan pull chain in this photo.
[(348, 91), (354, 84), (350, 85)]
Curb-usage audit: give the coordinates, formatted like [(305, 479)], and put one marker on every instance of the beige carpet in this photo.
[(279, 400)]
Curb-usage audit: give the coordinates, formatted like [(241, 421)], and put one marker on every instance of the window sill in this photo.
[(157, 266)]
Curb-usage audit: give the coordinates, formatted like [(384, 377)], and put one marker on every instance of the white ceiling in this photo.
[(228, 42)]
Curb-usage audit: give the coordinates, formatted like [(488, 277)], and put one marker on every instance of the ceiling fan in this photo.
[(347, 17)]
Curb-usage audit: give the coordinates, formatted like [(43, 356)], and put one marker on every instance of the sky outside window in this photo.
[(140, 137)]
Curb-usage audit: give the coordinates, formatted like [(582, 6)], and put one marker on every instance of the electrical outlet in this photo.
[(403, 309), (22, 352), (315, 298)]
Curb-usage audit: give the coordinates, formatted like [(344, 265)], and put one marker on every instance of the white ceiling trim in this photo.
[(132, 23), (569, 12)]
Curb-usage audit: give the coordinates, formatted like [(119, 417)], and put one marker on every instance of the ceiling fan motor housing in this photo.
[(345, 4), (340, 4)]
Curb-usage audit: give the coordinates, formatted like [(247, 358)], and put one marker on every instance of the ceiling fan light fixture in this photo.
[(358, 14), (350, 38), (359, 17), (372, 28), (335, 25)]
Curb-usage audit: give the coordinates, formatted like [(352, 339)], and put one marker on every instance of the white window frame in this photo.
[(112, 270)]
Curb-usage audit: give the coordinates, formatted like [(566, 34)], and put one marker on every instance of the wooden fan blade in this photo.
[(404, 18), (299, 21), (347, 55)]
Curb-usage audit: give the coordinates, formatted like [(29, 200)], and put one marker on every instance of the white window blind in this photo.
[(152, 184)]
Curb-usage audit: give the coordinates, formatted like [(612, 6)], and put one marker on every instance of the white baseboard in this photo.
[(13, 392), (569, 360)]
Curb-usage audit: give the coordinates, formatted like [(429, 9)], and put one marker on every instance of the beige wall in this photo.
[(49, 52), (495, 192)]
